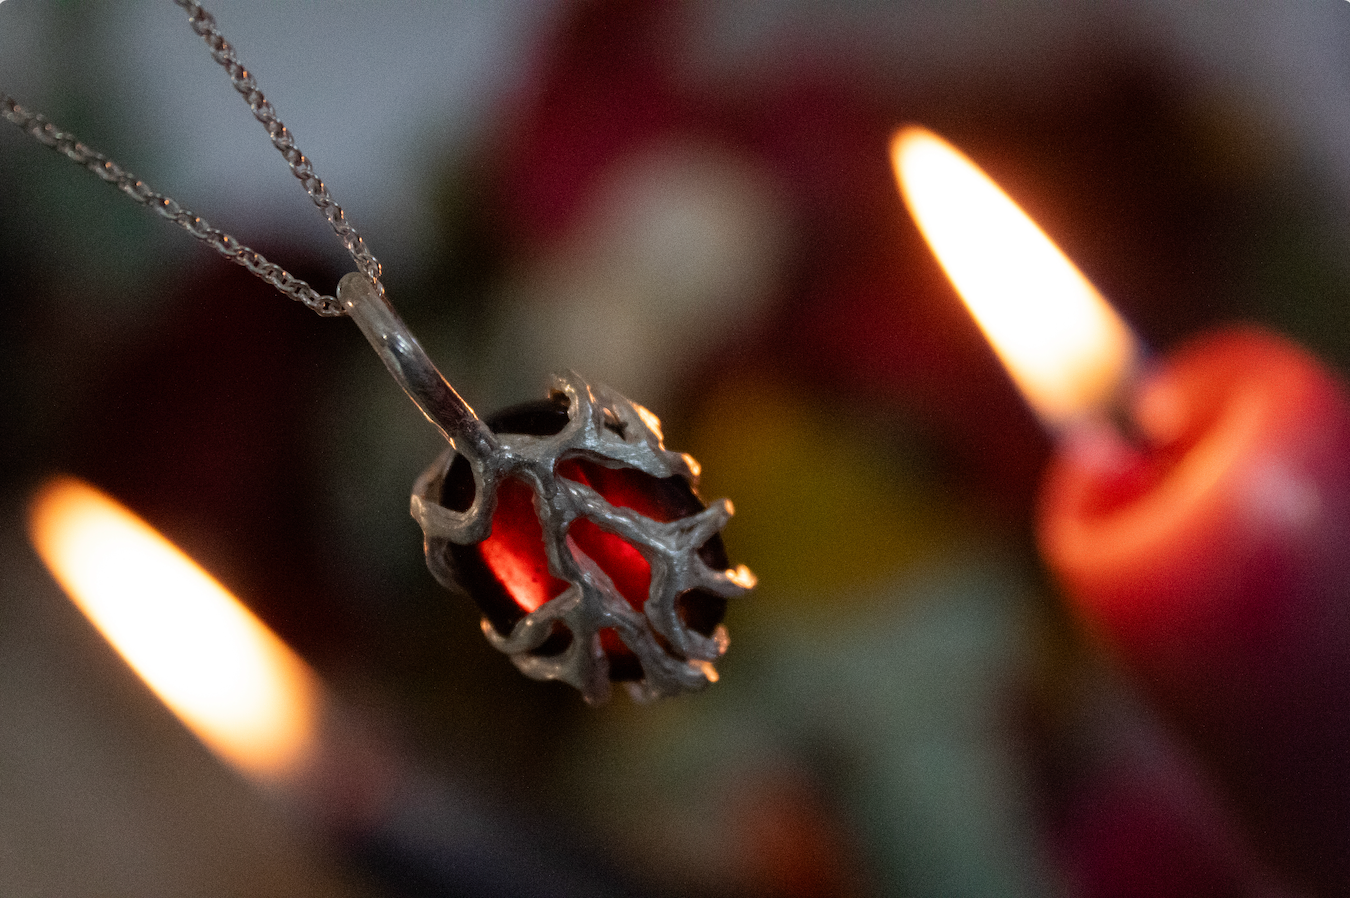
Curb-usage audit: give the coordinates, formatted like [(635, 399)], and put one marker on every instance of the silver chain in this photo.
[(204, 24)]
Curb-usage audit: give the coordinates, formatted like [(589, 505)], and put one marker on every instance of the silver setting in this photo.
[(605, 428), (613, 431)]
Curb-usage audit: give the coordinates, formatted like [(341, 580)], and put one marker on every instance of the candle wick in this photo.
[(1115, 413), (1125, 426)]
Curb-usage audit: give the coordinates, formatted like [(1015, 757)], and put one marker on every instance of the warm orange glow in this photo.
[(1066, 348), (228, 677)]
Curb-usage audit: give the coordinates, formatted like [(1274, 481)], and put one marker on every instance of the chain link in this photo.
[(64, 143), (204, 24)]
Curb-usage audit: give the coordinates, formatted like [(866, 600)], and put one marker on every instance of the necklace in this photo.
[(577, 533)]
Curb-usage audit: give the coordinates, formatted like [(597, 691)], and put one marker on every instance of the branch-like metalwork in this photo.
[(603, 427), (606, 428)]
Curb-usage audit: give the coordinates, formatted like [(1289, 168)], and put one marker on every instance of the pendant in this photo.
[(576, 532)]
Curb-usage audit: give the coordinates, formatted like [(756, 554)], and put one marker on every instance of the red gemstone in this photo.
[(507, 574)]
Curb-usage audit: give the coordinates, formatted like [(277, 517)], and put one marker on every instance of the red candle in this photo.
[(1210, 553)]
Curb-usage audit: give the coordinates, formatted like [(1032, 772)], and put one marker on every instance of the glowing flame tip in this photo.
[(229, 678), (1066, 348)]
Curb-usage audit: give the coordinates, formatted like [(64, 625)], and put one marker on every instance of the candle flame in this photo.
[(226, 675), (1065, 347)]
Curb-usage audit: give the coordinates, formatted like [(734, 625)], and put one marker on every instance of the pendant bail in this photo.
[(410, 365)]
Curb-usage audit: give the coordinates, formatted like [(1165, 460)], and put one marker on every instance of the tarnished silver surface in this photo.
[(591, 602), (605, 428)]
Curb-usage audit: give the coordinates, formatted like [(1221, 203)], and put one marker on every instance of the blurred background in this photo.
[(690, 202)]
